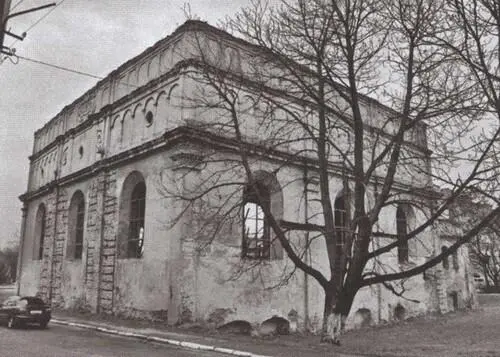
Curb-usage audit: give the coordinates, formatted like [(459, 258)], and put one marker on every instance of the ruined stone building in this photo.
[(100, 230), (482, 251)]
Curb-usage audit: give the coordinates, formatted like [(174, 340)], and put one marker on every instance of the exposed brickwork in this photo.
[(58, 254), (46, 266), (108, 252), (93, 239)]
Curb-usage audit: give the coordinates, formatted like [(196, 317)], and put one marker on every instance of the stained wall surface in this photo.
[(134, 123)]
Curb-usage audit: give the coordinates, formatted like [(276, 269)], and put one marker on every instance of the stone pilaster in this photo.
[(44, 289), (93, 239), (61, 224), (108, 250)]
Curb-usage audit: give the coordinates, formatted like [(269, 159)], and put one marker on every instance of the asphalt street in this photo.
[(63, 341)]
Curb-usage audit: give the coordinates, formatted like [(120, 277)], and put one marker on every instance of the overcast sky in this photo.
[(91, 36)]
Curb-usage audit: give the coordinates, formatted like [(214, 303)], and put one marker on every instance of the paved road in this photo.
[(61, 341)]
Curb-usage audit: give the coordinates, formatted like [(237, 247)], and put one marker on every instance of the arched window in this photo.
[(341, 223), (136, 221), (446, 263), (258, 241), (132, 216), (402, 230), (256, 235), (39, 232), (76, 226)]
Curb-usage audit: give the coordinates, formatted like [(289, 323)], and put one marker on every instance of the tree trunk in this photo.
[(333, 321)]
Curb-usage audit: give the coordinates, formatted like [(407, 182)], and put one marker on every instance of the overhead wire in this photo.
[(59, 67), (39, 20), (71, 70), (45, 15), (47, 63)]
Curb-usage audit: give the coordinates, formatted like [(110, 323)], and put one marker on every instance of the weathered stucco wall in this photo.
[(174, 280), (187, 274)]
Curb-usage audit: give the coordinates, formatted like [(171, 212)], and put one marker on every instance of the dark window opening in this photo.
[(76, 227), (446, 263), (402, 231), (79, 229), (135, 245), (256, 235), (40, 231), (149, 118), (42, 239)]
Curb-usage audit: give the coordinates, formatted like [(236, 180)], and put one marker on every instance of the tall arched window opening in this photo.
[(402, 231), (256, 234), (131, 226), (136, 221), (76, 226), (39, 232), (446, 262)]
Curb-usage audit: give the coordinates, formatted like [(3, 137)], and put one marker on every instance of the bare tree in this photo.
[(8, 263), (472, 35), (484, 249), (302, 100), (485, 255)]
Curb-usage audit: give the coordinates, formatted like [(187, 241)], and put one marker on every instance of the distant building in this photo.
[(457, 288), (483, 250), (94, 233)]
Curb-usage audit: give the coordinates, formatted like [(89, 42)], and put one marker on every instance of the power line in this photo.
[(120, 82), (39, 20), (44, 16), (59, 67)]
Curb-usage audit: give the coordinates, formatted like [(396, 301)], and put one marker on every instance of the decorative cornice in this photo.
[(194, 25), (192, 135), (164, 42), (110, 108)]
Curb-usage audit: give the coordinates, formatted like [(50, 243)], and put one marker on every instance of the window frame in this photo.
[(401, 233), (446, 262), (40, 231), (258, 195), (79, 229), (76, 225), (136, 220)]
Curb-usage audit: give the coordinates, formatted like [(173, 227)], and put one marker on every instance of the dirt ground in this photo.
[(465, 333)]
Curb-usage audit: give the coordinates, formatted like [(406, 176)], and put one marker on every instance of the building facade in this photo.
[(102, 230)]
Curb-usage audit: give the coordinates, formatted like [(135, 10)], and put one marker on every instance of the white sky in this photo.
[(92, 36)]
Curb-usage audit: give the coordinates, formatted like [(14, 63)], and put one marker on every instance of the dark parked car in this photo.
[(16, 311)]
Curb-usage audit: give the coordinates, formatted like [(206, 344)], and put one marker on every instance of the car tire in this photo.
[(43, 324), (12, 322)]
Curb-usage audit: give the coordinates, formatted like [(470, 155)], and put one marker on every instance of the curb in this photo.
[(166, 341)]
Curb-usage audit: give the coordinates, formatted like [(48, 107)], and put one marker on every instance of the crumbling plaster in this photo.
[(174, 279)]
